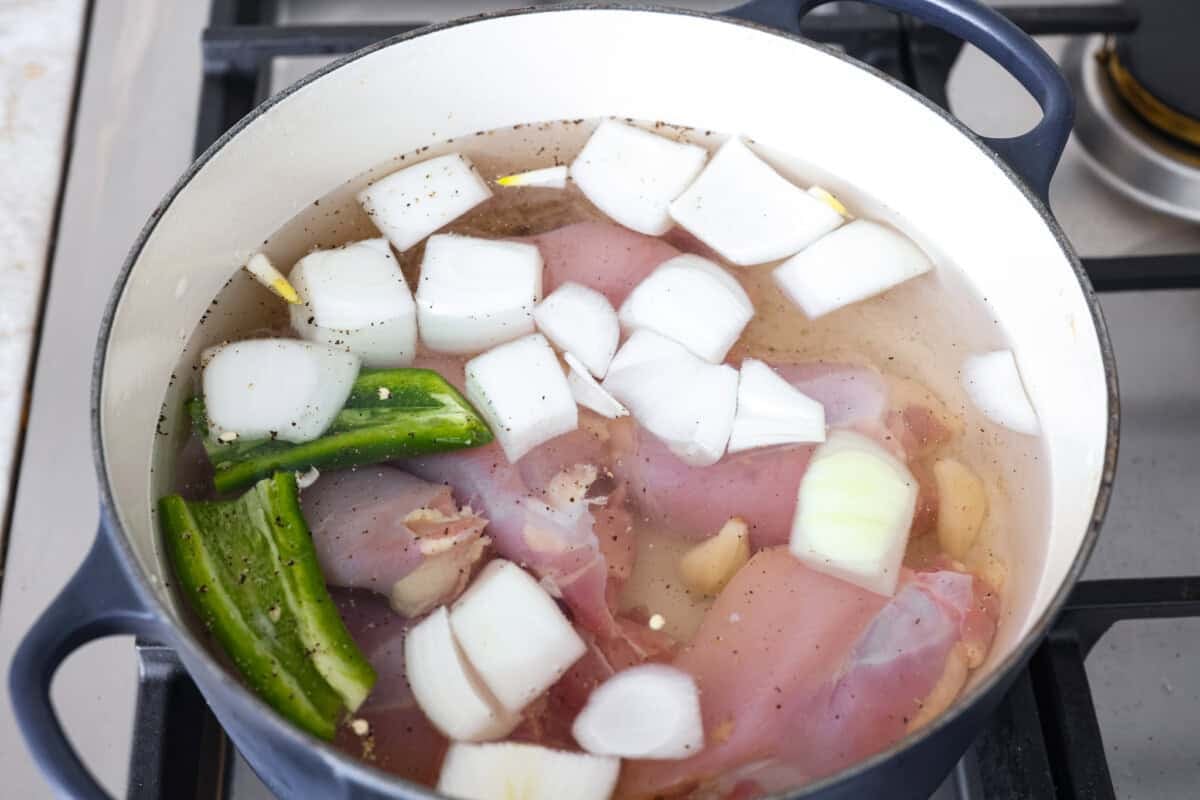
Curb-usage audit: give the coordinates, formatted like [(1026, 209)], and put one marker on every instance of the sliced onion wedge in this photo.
[(829, 198), (590, 394), (692, 301), (446, 687), (412, 203), (521, 391), (281, 388), (476, 293), (994, 385), (265, 273), (853, 263), (579, 320), (855, 509), (748, 212), (683, 400), (546, 178), (632, 175), (770, 411), (646, 347), (511, 771), (355, 297), (648, 711), (514, 634)]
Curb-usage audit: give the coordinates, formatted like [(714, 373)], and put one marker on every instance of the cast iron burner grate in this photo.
[(1044, 742)]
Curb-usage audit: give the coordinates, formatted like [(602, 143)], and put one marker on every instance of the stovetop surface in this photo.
[(138, 107)]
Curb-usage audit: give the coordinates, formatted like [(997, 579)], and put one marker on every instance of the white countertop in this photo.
[(134, 130), (39, 52)]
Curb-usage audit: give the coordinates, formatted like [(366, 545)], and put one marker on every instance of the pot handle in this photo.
[(1032, 155), (96, 602)]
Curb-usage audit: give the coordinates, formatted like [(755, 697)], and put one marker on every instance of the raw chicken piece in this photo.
[(976, 602), (552, 533), (899, 412), (574, 468), (399, 738), (372, 526), (754, 652), (919, 424), (586, 446), (753, 781), (606, 257), (761, 485), (638, 642), (806, 674), (918, 419), (614, 536), (854, 397), (925, 515), (758, 485)]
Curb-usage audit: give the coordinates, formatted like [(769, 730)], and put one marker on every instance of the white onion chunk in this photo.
[(355, 297), (748, 212), (590, 394), (447, 688), (853, 263), (854, 512), (476, 293), (412, 203), (770, 411), (514, 634), (521, 391), (508, 770), (683, 400), (692, 301), (632, 175), (579, 320), (281, 388), (993, 383), (647, 711)]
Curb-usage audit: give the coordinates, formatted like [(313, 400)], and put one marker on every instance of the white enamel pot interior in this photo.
[(870, 136)]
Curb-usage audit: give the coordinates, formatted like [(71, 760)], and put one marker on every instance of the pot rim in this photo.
[(365, 774)]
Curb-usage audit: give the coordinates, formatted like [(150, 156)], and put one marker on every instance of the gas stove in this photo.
[(1104, 709)]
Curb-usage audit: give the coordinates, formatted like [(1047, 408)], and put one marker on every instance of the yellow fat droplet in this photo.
[(509, 180)]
